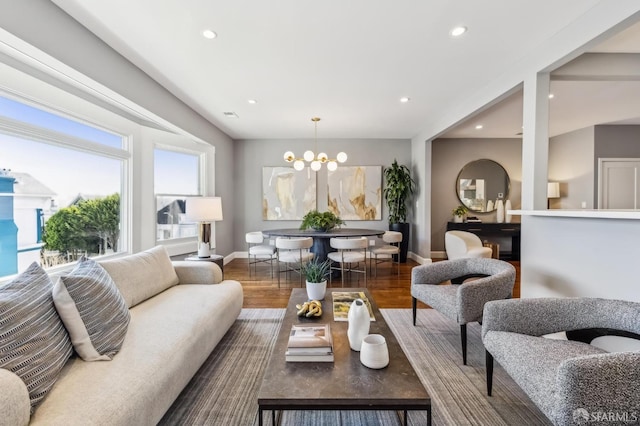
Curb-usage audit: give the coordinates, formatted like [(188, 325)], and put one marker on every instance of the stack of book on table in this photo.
[(310, 343)]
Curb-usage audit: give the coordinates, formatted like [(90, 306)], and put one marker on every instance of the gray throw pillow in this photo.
[(33, 341), (93, 311)]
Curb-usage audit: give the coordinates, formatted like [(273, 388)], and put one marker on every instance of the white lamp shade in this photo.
[(553, 190), (203, 209)]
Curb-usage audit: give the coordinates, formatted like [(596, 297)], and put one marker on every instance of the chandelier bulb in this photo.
[(289, 156), (341, 157), (323, 157), (332, 166), (309, 156), (315, 165), (298, 165)]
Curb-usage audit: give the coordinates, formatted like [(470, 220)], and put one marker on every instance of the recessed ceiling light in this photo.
[(405, 99), (458, 31), (209, 34), (252, 101), (478, 126), (551, 96)]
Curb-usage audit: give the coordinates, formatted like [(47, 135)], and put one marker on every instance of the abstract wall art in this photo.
[(355, 193), (287, 194)]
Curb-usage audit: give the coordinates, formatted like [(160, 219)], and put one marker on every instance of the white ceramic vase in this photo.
[(499, 211), (507, 207), (374, 352), (457, 219), (316, 291), (490, 205), (359, 322)]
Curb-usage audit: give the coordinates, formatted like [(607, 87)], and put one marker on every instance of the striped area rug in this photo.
[(224, 391)]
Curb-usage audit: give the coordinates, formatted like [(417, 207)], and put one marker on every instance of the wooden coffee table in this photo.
[(344, 384)]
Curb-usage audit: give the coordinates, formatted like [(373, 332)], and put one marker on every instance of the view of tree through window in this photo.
[(58, 201)]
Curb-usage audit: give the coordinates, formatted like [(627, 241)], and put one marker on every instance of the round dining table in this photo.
[(321, 240)]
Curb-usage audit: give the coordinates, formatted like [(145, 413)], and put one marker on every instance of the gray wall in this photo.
[(571, 164), (448, 158), (252, 155)]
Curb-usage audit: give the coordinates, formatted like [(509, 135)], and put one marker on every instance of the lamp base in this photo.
[(204, 252)]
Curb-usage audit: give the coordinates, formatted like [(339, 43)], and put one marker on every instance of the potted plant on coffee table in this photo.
[(399, 188), (316, 273)]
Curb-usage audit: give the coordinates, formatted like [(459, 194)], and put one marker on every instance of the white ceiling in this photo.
[(348, 62)]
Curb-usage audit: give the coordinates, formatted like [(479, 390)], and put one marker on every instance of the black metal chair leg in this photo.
[(463, 338), (489, 369), (414, 306)]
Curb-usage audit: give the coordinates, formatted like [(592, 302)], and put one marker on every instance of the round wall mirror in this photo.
[(480, 184)]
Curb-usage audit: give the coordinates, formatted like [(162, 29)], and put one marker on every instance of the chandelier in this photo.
[(309, 156)]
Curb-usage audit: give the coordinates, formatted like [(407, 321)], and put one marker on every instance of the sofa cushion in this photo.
[(93, 311), (142, 275), (33, 341)]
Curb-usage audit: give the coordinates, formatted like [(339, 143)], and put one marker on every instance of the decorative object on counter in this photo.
[(499, 210), (315, 162), (458, 213), (315, 273), (399, 187), (322, 222), (374, 352), (358, 324), (490, 205), (507, 207)]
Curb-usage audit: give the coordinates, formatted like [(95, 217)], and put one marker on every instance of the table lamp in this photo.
[(203, 210), (553, 191)]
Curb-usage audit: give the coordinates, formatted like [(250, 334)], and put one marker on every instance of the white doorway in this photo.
[(619, 183)]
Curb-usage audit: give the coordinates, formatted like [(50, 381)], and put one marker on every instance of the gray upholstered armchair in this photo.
[(572, 382), (461, 302)]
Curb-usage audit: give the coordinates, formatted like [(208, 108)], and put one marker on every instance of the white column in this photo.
[(535, 142)]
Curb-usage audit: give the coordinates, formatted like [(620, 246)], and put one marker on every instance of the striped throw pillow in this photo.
[(33, 341), (93, 310)]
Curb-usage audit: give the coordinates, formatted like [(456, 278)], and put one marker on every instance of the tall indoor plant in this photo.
[(399, 187)]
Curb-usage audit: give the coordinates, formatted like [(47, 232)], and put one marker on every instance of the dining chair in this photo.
[(293, 252), (261, 253), (351, 252), (387, 252)]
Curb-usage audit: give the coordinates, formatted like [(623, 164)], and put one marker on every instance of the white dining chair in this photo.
[(293, 252), (387, 252), (260, 252), (351, 252)]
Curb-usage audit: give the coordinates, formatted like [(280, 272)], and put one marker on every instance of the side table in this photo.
[(215, 258)]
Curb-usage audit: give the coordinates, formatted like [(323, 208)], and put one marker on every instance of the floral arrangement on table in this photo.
[(321, 221)]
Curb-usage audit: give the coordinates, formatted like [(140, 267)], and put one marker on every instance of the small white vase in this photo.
[(457, 219), (507, 207), (359, 322), (499, 211), (374, 352), (490, 205), (316, 291)]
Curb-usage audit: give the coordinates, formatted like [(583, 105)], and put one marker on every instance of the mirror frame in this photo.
[(457, 184)]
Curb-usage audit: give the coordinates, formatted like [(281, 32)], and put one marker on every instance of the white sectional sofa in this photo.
[(179, 311)]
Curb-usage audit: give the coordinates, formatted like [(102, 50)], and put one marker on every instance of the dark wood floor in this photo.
[(389, 291)]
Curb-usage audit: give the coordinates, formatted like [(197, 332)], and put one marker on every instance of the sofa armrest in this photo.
[(537, 317), (197, 272), (599, 384), (14, 400)]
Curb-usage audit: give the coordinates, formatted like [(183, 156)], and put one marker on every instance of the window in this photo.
[(177, 175), (61, 182)]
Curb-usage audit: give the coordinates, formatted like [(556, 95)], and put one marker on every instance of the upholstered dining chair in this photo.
[(464, 244), (433, 284), (386, 252), (260, 252), (351, 252), (293, 252)]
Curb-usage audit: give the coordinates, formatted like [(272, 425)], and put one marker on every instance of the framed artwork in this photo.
[(287, 194), (355, 193)]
